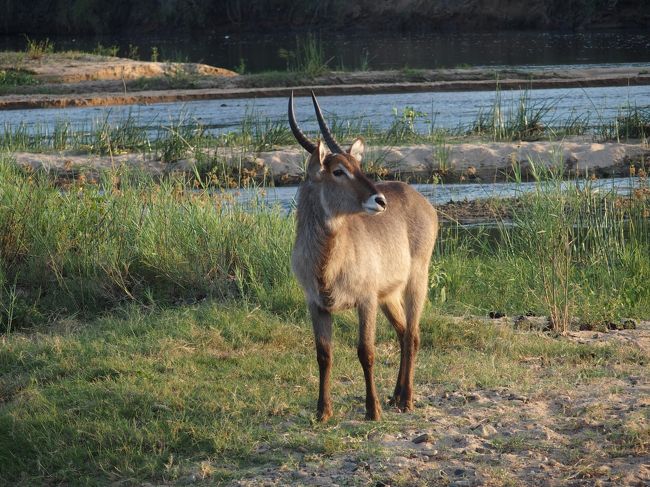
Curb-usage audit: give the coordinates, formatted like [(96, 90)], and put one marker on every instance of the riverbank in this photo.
[(87, 80), (445, 163)]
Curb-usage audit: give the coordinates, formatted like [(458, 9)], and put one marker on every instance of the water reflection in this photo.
[(383, 50)]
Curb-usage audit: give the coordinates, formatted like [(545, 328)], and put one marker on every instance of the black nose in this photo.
[(381, 201)]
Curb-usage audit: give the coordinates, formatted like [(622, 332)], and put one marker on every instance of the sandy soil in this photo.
[(466, 162), (494, 437), (87, 80)]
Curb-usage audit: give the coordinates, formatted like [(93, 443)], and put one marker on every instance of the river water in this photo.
[(438, 194), (378, 50), (450, 110)]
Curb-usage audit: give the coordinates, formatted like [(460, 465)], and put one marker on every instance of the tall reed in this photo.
[(568, 250)]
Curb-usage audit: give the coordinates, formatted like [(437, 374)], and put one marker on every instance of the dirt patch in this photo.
[(592, 434), (59, 68)]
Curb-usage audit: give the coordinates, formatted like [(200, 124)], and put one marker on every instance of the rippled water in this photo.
[(438, 109)]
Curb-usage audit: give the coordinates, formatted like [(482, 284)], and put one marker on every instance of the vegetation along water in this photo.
[(151, 330)]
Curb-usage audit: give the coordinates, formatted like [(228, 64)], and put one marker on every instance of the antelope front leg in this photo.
[(366, 352), (322, 323)]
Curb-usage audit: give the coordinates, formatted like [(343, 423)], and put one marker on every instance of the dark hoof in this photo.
[(373, 415), (324, 415), (406, 407)]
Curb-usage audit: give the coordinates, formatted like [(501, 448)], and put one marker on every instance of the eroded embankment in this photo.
[(465, 162)]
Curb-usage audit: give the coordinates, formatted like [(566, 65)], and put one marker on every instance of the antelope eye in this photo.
[(338, 172)]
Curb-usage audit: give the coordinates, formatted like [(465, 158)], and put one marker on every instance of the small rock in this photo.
[(459, 472), (612, 325), (517, 397), (190, 479), (426, 437), (400, 461), (496, 315), (487, 431)]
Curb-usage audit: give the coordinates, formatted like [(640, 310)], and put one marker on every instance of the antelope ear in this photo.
[(357, 149), (322, 152), (316, 160)]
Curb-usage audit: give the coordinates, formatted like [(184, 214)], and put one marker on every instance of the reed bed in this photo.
[(185, 136)]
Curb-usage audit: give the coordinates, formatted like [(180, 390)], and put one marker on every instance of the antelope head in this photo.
[(344, 188)]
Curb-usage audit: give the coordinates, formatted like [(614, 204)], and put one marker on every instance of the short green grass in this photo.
[(149, 394)]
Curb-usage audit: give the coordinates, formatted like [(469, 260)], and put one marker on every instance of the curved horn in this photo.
[(302, 139), (327, 135)]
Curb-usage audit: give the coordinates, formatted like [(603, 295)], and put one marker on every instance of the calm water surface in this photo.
[(438, 194), (382, 50)]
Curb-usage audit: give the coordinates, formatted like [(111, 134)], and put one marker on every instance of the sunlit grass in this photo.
[(162, 394), (568, 251)]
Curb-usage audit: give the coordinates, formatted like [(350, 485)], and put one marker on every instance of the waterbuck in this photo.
[(364, 245)]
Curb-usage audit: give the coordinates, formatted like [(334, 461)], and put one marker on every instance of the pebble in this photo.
[(487, 431), (517, 397), (423, 438), (430, 456), (399, 461)]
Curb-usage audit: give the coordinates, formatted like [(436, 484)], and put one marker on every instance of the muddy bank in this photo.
[(204, 82)]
